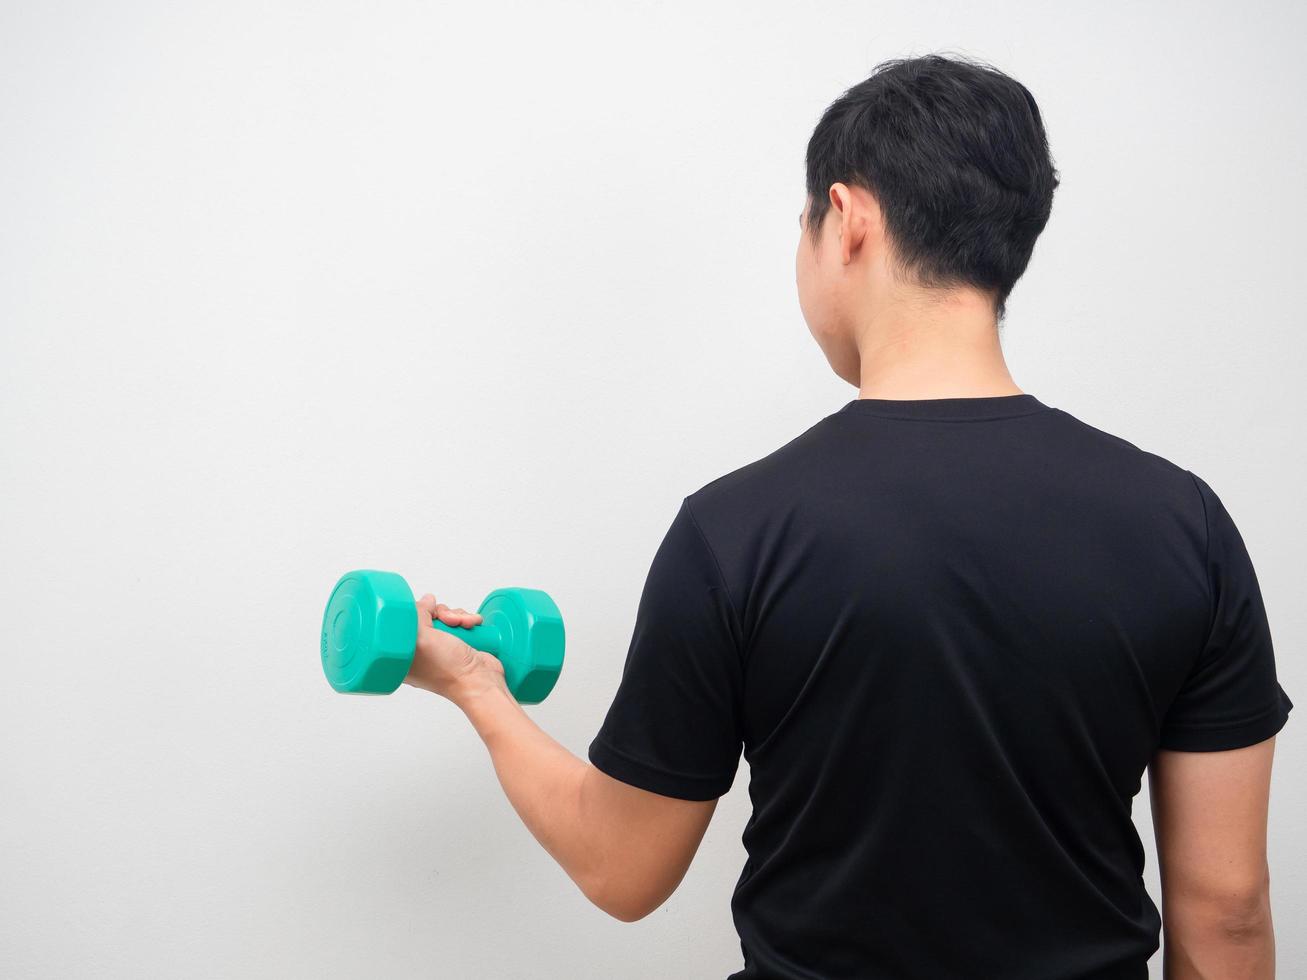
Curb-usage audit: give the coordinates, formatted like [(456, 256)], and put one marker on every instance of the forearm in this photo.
[(1208, 944), (625, 847), (542, 780)]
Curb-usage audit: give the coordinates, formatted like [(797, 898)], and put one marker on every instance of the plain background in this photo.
[(478, 293)]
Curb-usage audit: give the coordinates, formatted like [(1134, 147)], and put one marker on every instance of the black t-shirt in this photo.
[(949, 635)]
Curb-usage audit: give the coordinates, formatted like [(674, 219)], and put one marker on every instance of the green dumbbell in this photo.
[(370, 630)]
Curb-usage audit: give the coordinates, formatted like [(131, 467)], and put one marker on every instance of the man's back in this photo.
[(950, 635)]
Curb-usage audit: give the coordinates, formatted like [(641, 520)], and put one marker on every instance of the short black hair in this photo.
[(955, 153)]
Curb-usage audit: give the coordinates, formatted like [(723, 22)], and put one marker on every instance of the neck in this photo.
[(945, 349)]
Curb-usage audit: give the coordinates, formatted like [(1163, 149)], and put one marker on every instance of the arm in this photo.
[(1209, 816), (626, 848)]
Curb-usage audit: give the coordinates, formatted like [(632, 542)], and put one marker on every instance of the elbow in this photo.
[(1247, 919), (629, 913), (1238, 912), (1248, 905), (622, 903)]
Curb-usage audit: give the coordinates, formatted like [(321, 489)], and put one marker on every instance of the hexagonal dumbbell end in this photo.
[(369, 631), (532, 640)]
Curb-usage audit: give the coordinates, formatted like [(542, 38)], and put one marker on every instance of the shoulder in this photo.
[(741, 512), (1075, 459), (764, 482), (1121, 466), (1104, 443)]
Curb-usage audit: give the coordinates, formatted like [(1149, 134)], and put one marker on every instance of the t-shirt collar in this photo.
[(947, 409)]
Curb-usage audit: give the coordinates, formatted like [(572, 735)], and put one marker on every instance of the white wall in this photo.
[(477, 293)]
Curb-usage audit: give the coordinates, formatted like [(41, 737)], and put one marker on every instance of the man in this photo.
[(950, 626)]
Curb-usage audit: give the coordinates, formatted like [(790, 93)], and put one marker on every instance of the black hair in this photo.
[(955, 153)]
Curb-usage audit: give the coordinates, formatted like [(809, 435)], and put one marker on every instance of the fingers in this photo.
[(432, 609), (458, 617)]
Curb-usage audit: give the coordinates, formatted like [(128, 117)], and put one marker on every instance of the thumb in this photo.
[(426, 609)]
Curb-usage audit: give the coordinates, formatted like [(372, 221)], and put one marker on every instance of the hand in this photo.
[(444, 664)]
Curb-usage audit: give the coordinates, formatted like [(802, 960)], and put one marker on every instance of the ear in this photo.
[(852, 218)]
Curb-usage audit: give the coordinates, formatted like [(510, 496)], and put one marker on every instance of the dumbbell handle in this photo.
[(485, 636)]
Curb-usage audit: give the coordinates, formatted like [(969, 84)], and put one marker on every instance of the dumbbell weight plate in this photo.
[(369, 631), (531, 648)]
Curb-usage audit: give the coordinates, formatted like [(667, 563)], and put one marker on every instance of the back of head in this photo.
[(956, 155)]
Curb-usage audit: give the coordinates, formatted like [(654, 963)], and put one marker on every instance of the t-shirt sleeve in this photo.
[(674, 725), (1231, 697)]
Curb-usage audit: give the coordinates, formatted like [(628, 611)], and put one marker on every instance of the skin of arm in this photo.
[(627, 849), (1209, 815)]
